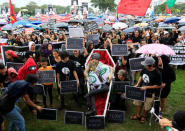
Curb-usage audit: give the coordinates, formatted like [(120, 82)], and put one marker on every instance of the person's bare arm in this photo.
[(111, 74), (86, 72), (139, 82), (58, 80), (76, 77), (124, 62), (30, 103), (85, 52), (150, 87)]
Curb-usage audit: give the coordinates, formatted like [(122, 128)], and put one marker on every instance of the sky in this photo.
[(20, 3)]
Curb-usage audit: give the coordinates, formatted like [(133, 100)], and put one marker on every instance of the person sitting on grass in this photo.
[(47, 86)]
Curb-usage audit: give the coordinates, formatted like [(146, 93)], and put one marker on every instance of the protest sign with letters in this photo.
[(115, 116), (135, 93), (74, 44), (179, 58), (19, 50), (95, 122), (16, 66), (39, 89), (94, 38), (58, 45), (119, 50), (135, 64), (73, 117), (119, 86), (47, 114), (68, 87), (46, 76), (92, 25), (76, 32)]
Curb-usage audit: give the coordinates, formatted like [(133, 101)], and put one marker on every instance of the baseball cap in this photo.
[(148, 61), (179, 120), (165, 32), (95, 56), (122, 72)]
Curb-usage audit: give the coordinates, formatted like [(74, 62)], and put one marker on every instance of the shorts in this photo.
[(147, 103), (165, 92)]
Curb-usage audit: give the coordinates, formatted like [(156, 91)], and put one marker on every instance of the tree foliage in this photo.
[(103, 5), (177, 9)]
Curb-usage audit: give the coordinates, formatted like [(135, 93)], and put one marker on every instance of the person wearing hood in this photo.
[(35, 54), (12, 74)]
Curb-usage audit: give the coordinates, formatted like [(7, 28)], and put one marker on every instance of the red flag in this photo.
[(133, 7), (167, 10), (12, 13)]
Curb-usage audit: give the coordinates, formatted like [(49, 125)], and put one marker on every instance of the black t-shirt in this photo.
[(150, 78), (79, 63), (4, 79), (136, 39), (66, 70)]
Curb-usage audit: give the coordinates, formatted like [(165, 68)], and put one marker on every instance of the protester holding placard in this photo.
[(47, 86), (149, 80), (66, 71)]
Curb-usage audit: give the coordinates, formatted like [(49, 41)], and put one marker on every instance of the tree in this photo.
[(103, 5)]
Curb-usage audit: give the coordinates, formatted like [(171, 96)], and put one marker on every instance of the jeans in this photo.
[(16, 120)]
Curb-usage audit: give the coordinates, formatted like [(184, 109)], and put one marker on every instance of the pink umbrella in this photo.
[(157, 49)]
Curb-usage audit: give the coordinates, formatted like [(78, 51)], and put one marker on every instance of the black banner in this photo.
[(73, 117), (135, 93), (47, 114), (68, 87), (119, 50), (135, 64), (46, 76)]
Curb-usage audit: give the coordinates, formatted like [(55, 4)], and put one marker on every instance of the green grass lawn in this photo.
[(175, 102)]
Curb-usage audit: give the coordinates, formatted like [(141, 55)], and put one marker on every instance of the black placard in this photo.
[(95, 122), (47, 114), (94, 38), (135, 64), (119, 86), (39, 89), (135, 93), (16, 66), (19, 50), (68, 87), (179, 58), (90, 26), (76, 32), (58, 45), (73, 117), (74, 44), (115, 116), (46, 76), (119, 50)]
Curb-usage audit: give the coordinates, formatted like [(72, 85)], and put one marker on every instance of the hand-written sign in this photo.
[(73, 117), (95, 122), (76, 32), (39, 89), (46, 76), (119, 86), (16, 66), (47, 114), (115, 116), (135, 64), (179, 58), (135, 93), (94, 38), (119, 50), (74, 43), (69, 87)]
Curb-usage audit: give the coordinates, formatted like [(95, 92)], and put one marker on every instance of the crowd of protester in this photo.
[(71, 67)]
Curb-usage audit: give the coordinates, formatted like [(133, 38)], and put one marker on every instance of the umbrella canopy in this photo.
[(157, 49), (166, 27), (131, 29), (172, 20), (61, 25), (182, 20), (75, 21), (7, 27), (107, 28), (141, 24), (3, 22), (120, 25), (21, 22), (181, 24), (36, 22), (182, 28)]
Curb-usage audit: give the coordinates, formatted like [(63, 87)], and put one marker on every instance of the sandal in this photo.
[(135, 117), (143, 119)]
